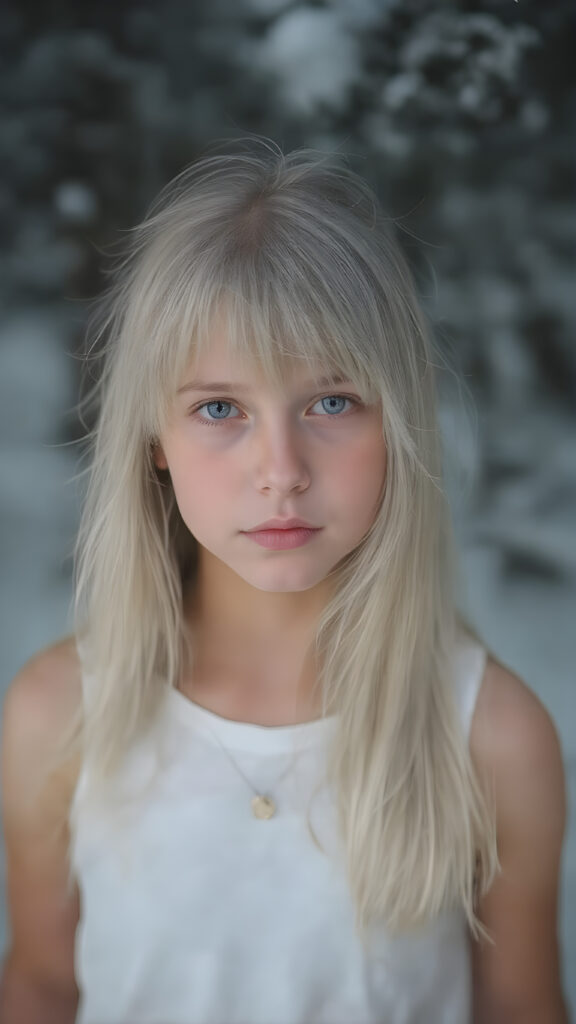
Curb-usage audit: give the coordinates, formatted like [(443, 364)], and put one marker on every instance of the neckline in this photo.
[(247, 736)]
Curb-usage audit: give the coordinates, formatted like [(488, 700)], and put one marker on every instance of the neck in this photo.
[(247, 666)]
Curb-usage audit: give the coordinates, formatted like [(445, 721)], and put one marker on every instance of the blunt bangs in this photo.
[(302, 295)]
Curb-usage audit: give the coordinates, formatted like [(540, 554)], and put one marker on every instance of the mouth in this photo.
[(282, 540), (282, 524)]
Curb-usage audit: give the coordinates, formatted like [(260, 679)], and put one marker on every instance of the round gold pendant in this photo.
[(263, 807)]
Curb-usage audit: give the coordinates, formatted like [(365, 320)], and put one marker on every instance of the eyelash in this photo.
[(226, 401)]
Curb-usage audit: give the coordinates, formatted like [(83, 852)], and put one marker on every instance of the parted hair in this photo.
[(296, 252)]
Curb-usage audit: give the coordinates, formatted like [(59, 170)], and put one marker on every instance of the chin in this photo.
[(285, 583)]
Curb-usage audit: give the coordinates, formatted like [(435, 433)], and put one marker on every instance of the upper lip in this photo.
[(282, 524)]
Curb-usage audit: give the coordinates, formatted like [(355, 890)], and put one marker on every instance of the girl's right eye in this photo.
[(218, 419)]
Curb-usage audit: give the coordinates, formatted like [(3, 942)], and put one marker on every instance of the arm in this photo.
[(515, 747), (26, 1000), (38, 984)]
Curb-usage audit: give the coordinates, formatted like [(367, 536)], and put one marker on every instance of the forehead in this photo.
[(219, 359)]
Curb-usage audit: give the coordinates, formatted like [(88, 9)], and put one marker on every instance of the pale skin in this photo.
[(306, 451), (260, 607)]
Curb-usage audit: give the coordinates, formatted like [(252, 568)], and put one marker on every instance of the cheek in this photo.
[(365, 467), (362, 482), (200, 482)]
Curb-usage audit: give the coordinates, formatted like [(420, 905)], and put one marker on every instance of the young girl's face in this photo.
[(240, 453)]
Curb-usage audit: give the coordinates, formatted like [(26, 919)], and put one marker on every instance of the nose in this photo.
[(280, 460)]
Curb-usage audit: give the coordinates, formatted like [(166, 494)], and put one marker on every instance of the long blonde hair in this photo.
[(298, 253)]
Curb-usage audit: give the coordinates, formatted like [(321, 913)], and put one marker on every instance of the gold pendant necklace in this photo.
[(263, 806)]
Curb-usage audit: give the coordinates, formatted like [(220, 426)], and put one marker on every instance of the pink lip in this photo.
[(282, 524), (283, 540)]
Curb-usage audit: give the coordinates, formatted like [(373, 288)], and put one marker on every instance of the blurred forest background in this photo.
[(460, 115)]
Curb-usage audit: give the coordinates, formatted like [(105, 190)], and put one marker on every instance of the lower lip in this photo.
[(282, 540)]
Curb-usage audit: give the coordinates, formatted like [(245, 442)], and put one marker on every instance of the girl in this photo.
[(274, 778)]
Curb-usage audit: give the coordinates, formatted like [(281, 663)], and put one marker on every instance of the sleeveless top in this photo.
[(193, 911)]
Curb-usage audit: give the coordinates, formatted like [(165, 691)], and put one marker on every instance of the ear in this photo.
[(158, 456)]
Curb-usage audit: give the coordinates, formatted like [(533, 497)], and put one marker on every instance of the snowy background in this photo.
[(460, 116)]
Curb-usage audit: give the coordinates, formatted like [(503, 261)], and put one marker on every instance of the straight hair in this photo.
[(296, 253)]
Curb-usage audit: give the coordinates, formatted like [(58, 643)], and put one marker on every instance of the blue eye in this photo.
[(219, 402), (214, 402)]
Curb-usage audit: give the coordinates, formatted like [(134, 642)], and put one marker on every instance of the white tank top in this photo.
[(196, 912)]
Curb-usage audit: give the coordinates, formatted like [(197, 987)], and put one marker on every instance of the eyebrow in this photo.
[(223, 385)]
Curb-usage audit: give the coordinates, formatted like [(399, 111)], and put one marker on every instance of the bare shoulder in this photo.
[(53, 671), (46, 691), (515, 746), (512, 731), (40, 703), (516, 749)]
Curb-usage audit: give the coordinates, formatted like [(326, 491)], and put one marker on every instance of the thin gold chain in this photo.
[(239, 770)]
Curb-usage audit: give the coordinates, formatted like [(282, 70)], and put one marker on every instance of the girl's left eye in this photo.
[(224, 402)]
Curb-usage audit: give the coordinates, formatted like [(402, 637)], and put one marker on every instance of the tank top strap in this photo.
[(470, 664)]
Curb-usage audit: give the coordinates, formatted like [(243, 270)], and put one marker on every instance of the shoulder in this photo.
[(56, 667), (38, 776), (516, 750), (513, 737), (46, 690), (40, 704)]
